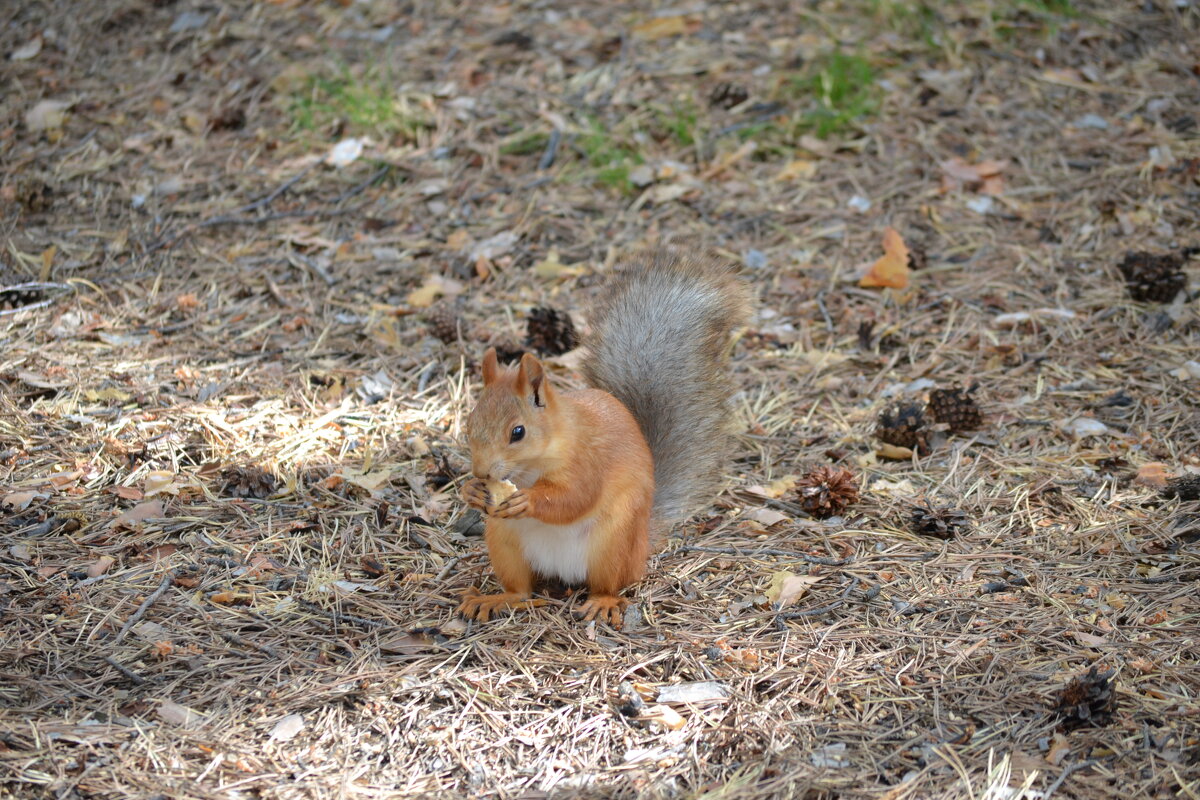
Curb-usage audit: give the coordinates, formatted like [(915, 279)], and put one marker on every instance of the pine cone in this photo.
[(904, 426), (247, 482), (443, 322), (728, 95), (1088, 700), (944, 523), (955, 407), (508, 351), (550, 332), (827, 491), (1185, 487), (1153, 278)]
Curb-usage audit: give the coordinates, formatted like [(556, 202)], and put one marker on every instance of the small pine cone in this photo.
[(443, 322), (728, 95), (1153, 278), (956, 408), (247, 482), (904, 426), (550, 332), (1088, 700), (1184, 487), (943, 523), (827, 491)]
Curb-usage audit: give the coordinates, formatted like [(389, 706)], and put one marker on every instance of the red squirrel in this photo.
[(574, 485)]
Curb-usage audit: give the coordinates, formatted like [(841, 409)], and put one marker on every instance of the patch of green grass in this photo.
[(842, 90), (679, 123), (611, 159), (524, 144), (361, 104)]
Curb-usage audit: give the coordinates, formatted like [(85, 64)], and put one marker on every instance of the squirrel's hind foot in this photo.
[(605, 607), (476, 605)]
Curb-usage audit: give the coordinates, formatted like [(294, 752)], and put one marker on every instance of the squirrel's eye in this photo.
[(518, 433)]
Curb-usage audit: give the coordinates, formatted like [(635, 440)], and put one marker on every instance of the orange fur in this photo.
[(583, 458), (595, 469)]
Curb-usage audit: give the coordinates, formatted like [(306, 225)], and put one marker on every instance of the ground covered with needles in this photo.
[(253, 251)]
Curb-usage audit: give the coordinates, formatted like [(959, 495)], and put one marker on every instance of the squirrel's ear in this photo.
[(491, 366), (531, 378)]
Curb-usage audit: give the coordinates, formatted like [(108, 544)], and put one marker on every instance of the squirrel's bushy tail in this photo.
[(659, 343)]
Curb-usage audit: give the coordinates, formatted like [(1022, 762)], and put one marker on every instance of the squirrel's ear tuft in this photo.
[(531, 378), (491, 366)]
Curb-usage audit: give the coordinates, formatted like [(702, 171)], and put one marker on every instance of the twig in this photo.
[(551, 152), (167, 580), (824, 311), (339, 617), (1066, 773), (283, 187), (815, 612), (233, 638), (730, 551), (126, 671)]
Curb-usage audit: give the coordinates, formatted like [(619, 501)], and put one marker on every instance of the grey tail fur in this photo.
[(659, 343)]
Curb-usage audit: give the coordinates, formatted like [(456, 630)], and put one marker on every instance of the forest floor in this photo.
[(231, 544)]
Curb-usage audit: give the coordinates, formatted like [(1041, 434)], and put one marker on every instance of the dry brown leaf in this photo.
[(894, 453), (127, 492), (661, 27), (800, 168), (18, 501), (1153, 475), (287, 728), (159, 481), (892, 269), (435, 286), (184, 717), (787, 587), (100, 566), (151, 509)]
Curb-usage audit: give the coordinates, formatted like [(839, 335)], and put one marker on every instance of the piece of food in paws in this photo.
[(499, 491)]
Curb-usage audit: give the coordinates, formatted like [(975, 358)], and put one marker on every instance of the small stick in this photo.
[(825, 311), (145, 606), (338, 617), (730, 551), (126, 671), (283, 187), (1066, 773), (814, 612), (551, 151), (233, 638)]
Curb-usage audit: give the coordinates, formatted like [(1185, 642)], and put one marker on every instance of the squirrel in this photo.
[(575, 485)]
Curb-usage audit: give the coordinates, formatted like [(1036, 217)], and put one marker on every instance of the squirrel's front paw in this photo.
[(475, 494), (605, 607), (515, 507), (476, 605)]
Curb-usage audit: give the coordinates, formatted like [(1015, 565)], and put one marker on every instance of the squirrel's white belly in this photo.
[(555, 551)]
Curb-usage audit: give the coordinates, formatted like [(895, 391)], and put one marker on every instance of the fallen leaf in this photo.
[(1153, 475), (28, 50), (1084, 426), (371, 481), (18, 501), (892, 269), (551, 267), (768, 516), (694, 692), (787, 586), (984, 176), (184, 717), (435, 286), (151, 509), (665, 716), (46, 115), (345, 152), (159, 481), (405, 644), (62, 479), (800, 168), (661, 27), (894, 452), (1091, 640), (21, 552), (287, 728), (100, 566), (1059, 749), (127, 492)]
